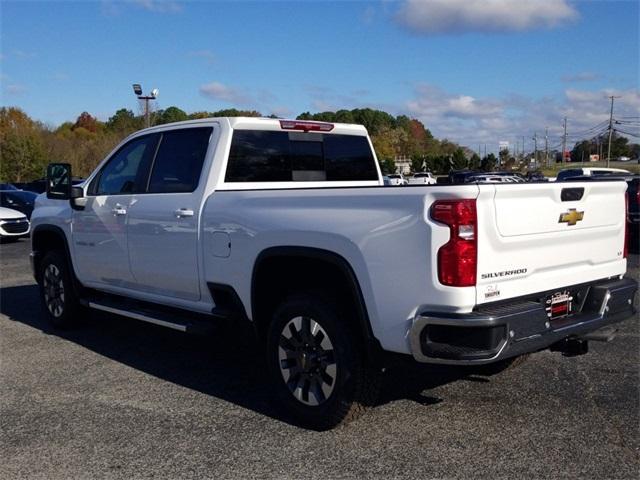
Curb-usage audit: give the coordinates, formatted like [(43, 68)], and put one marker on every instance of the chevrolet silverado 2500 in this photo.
[(286, 224)]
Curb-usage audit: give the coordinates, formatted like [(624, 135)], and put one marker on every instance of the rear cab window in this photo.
[(264, 156)]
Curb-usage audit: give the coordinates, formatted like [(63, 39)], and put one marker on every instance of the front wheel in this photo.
[(56, 290), (316, 363)]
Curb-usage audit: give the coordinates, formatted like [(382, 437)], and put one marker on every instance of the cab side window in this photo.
[(126, 171), (179, 160)]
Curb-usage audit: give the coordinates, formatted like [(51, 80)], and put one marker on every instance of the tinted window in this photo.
[(568, 173), (125, 172), (179, 160), (267, 156)]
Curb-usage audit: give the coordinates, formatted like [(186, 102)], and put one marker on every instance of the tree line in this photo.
[(28, 145)]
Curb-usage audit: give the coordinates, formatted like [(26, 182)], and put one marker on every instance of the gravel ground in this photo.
[(122, 399)]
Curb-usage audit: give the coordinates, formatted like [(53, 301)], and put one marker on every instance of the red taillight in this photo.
[(306, 126), (625, 250), (458, 258)]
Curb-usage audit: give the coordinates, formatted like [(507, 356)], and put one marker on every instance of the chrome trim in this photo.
[(138, 316)]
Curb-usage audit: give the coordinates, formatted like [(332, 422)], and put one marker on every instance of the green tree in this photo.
[(387, 166), (170, 115), (488, 163), (459, 159), (474, 162), (22, 151), (124, 122)]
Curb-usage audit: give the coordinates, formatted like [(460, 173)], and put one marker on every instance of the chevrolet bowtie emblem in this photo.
[(571, 217)]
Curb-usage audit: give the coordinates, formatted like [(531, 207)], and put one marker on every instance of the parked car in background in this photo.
[(20, 200), (397, 179), (459, 176), (13, 224), (8, 186), (589, 172), (536, 177), (493, 178), (422, 178), (40, 185)]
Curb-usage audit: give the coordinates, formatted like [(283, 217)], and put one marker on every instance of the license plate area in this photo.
[(559, 305)]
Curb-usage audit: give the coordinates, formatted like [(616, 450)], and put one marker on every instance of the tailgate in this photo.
[(541, 236)]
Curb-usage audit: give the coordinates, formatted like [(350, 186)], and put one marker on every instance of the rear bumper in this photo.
[(497, 332)]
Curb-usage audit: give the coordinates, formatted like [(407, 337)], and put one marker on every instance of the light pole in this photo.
[(137, 89)]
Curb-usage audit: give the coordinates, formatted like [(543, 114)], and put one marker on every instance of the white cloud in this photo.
[(218, 91), (471, 121), (433, 17)]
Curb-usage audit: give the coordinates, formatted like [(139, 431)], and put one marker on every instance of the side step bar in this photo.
[(164, 316), (139, 316)]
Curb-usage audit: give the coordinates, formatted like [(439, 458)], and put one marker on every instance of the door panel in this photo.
[(99, 231), (163, 245), (100, 243), (163, 223)]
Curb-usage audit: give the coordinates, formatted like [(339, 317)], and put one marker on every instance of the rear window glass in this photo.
[(268, 156)]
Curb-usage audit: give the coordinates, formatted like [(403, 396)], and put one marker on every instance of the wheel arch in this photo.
[(45, 238), (330, 263)]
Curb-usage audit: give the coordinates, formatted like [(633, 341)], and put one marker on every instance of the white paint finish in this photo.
[(535, 208), (382, 233), (163, 248), (554, 255), (100, 240), (220, 244)]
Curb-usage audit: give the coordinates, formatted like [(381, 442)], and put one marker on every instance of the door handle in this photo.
[(119, 210), (184, 212)]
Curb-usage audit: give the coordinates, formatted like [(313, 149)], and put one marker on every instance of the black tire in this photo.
[(57, 292), (354, 385), (500, 366)]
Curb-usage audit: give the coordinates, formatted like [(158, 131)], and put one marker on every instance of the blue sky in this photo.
[(474, 71)]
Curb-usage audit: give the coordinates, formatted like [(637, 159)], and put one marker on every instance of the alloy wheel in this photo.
[(307, 361)]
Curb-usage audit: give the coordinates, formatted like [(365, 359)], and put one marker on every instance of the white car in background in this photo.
[(13, 224), (422, 178), (397, 179)]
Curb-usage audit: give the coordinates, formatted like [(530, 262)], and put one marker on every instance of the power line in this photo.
[(612, 97)]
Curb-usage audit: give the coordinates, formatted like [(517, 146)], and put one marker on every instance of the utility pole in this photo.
[(137, 89), (564, 139), (546, 146), (523, 147), (535, 148), (610, 129)]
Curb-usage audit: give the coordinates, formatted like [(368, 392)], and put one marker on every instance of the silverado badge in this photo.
[(571, 217)]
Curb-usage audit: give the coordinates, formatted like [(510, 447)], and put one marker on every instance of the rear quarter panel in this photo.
[(383, 233)]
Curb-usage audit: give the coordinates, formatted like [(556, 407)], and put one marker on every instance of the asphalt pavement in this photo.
[(117, 398)]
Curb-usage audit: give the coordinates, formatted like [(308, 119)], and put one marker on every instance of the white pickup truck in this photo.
[(286, 224)]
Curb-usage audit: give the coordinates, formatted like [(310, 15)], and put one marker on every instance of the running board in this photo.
[(168, 317), (139, 316)]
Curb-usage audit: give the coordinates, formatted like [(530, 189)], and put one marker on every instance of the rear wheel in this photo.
[(56, 289), (317, 364)]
